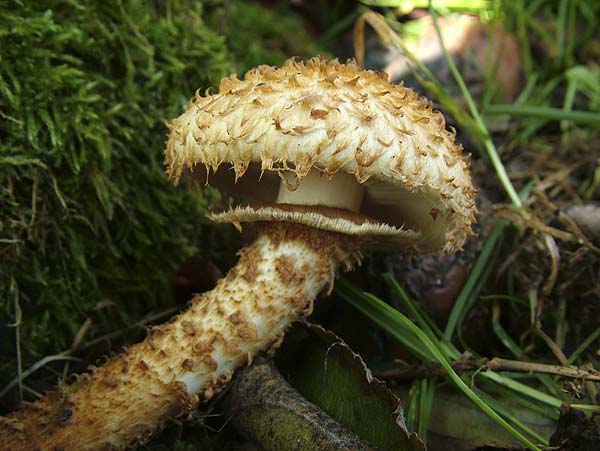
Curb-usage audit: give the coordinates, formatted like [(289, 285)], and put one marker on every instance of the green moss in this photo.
[(257, 35), (87, 213)]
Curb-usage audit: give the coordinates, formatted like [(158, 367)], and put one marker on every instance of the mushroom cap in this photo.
[(331, 117)]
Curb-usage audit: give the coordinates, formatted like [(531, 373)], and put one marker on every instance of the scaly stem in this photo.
[(121, 403)]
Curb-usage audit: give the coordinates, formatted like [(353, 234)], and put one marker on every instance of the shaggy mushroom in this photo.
[(332, 161)]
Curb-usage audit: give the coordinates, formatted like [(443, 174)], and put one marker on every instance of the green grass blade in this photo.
[(509, 415), (348, 292), (514, 348), (488, 144), (509, 395), (505, 297), (459, 308), (427, 392), (423, 320), (583, 346), (411, 411), (560, 30), (478, 273), (502, 335), (586, 407), (522, 388), (523, 36), (547, 113), (395, 320), (335, 30)]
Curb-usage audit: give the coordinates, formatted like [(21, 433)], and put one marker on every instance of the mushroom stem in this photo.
[(339, 191), (121, 403)]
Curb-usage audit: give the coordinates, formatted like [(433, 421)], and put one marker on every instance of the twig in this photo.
[(17, 323), (560, 356), (66, 355), (33, 368), (499, 364), (463, 365), (527, 219), (141, 323)]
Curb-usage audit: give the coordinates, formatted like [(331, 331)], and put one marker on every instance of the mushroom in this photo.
[(331, 161)]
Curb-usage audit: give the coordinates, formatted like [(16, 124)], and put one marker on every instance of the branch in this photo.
[(468, 363)]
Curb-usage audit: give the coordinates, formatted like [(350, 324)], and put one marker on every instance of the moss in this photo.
[(90, 226), (275, 34), (87, 212)]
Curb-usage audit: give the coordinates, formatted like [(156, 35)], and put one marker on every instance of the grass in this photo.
[(399, 326), (427, 343), (471, 121), (545, 113), (533, 110), (460, 307)]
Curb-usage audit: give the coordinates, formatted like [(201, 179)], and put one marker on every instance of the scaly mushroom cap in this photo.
[(334, 118)]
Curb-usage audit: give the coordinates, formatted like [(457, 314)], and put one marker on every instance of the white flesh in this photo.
[(341, 191)]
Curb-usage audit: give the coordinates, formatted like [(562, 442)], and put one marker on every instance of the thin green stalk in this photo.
[(526, 92), (427, 392), (522, 388), (505, 297), (403, 335), (411, 411), (583, 346), (512, 346), (561, 24), (488, 144), (33, 368), (337, 28), (480, 264), (18, 317), (536, 28), (507, 413), (465, 389), (472, 298), (547, 113), (502, 335), (571, 34), (513, 397), (586, 407), (376, 309), (524, 38), (423, 320)]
